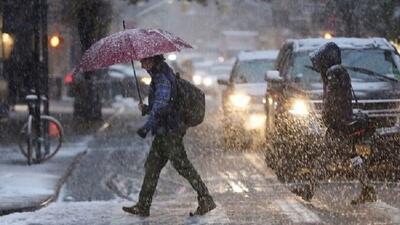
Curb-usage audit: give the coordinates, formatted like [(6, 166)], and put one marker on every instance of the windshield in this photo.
[(251, 71), (220, 70), (374, 60)]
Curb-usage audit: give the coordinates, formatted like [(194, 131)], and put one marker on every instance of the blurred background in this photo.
[(42, 40)]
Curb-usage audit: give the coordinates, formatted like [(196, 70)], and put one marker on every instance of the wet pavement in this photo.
[(246, 190)]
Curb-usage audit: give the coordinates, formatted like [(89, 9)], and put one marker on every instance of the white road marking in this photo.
[(297, 212), (236, 186), (392, 212), (259, 164), (293, 209)]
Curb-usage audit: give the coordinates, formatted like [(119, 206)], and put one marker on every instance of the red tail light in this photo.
[(68, 79)]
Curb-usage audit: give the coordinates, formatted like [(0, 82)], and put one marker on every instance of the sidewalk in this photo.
[(27, 188)]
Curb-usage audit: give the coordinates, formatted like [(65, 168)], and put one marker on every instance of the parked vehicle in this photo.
[(117, 80), (243, 99), (294, 94)]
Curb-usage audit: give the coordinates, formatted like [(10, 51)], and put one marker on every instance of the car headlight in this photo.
[(197, 79), (146, 80), (207, 81), (239, 100), (299, 107), (256, 121)]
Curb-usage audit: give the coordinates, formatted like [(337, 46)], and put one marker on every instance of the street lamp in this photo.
[(55, 41), (7, 44)]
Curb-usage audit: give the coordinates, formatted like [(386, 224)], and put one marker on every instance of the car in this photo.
[(294, 93), (117, 80), (243, 99), (218, 71), (202, 78), (207, 79)]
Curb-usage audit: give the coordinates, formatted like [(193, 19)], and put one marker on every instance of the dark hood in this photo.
[(161, 67), (326, 56)]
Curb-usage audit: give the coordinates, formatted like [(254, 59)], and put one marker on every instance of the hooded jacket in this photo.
[(163, 115), (337, 108)]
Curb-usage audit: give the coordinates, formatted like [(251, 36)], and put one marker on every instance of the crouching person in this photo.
[(337, 115)]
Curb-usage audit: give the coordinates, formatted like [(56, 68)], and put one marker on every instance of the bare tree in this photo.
[(92, 19), (362, 18)]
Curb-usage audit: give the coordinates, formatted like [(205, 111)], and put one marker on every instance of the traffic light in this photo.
[(55, 41)]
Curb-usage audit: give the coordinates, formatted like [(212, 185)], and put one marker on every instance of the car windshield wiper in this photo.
[(371, 73), (311, 68), (362, 70)]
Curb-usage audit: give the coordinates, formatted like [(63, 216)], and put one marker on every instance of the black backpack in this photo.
[(190, 102), (361, 126)]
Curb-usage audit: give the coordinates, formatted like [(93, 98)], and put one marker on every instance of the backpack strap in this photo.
[(354, 95), (174, 85)]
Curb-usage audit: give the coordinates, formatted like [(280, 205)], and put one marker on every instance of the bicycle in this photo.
[(44, 137)]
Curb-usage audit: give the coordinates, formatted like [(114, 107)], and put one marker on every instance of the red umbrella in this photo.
[(127, 45)]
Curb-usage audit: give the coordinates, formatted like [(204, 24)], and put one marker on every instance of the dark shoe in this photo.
[(206, 204), (137, 210), (306, 192), (367, 195)]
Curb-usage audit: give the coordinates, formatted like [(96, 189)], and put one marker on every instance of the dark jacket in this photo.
[(337, 108), (163, 116)]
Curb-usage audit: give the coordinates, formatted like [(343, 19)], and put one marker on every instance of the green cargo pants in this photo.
[(168, 147)]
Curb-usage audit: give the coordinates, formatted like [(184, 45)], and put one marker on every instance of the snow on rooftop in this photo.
[(256, 55), (358, 43)]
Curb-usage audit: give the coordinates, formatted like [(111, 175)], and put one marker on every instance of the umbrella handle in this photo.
[(134, 73)]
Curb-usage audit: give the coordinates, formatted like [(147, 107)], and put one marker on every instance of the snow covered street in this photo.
[(245, 189)]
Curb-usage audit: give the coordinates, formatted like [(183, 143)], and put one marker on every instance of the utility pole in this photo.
[(44, 59), (41, 51)]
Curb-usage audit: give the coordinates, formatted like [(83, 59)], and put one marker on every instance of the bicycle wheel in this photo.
[(26, 140), (49, 141), (52, 137)]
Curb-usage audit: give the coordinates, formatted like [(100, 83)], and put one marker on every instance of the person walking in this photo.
[(337, 114), (165, 124)]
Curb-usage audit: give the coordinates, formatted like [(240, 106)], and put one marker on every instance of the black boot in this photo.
[(367, 195), (137, 210), (206, 204), (306, 192)]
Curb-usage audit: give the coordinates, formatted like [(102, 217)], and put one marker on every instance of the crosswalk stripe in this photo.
[(392, 212), (236, 186), (289, 206), (259, 164), (297, 212)]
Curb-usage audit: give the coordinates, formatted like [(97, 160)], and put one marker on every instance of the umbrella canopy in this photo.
[(127, 45)]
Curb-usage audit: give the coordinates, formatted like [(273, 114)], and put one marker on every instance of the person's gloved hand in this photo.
[(142, 132), (143, 108)]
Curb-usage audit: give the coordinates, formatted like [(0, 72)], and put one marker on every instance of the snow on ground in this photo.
[(25, 186), (110, 212)]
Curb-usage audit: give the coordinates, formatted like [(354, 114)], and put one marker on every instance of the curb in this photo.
[(52, 197), (61, 181)]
